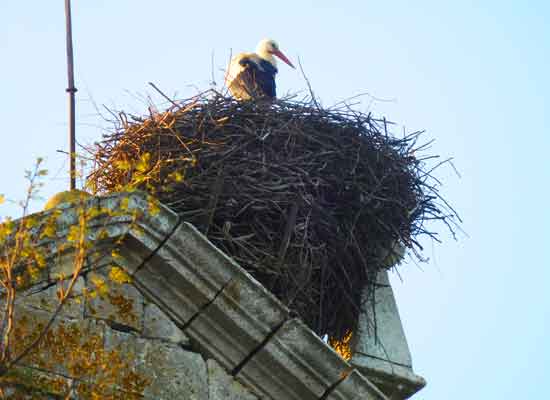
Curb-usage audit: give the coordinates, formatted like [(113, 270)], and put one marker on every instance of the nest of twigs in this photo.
[(309, 200)]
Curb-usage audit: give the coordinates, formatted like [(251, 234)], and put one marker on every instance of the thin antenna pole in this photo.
[(71, 90)]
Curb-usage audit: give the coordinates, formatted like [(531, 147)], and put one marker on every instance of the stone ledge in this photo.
[(151, 229), (294, 364), (239, 319), (142, 234), (222, 308), (185, 274), (356, 387), (399, 383), (384, 356)]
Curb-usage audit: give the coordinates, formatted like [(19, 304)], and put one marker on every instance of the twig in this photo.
[(313, 98), (163, 95)]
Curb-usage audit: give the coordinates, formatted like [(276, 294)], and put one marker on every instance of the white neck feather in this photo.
[(264, 54)]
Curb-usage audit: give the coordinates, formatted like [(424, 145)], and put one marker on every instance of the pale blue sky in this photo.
[(474, 74)]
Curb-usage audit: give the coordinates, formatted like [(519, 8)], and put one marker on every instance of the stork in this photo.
[(252, 75)]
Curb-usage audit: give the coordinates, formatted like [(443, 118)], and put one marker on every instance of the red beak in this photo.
[(279, 54)]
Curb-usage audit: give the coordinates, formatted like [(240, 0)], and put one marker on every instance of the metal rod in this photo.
[(71, 90)]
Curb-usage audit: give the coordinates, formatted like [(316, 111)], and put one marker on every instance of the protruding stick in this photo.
[(71, 90)]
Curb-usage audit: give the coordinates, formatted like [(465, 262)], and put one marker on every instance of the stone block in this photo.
[(223, 386), (143, 230), (295, 364), (129, 344), (35, 384), (383, 356), (58, 352), (388, 342), (45, 298), (118, 303), (157, 325), (243, 314), (174, 372), (356, 387), (185, 274)]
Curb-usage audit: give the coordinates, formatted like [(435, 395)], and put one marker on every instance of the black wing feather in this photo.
[(258, 79)]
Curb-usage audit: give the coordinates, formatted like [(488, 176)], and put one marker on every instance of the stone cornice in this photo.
[(222, 308)]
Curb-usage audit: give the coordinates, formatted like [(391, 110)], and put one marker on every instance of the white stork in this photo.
[(252, 75)]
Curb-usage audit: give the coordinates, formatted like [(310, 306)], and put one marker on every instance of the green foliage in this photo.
[(39, 356)]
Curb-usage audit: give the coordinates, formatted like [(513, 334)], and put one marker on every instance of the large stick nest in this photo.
[(310, 201)]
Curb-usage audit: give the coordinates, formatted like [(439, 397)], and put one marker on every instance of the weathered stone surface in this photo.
[(162, 221), (137, 204), (243, 314), (122, 303), (399, 385), (356, 387), (223, 386), (175, 373), (224, 311), (185, 274), (35, 384), (142, 221), (46, 299), (147, 232), (29, 321), (27, 318), (157, 325), (391, 343), (385, 358), (128, 343), (294, 364), (64, 264)]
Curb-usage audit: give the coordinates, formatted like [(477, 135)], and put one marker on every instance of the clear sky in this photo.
[(474, 74)]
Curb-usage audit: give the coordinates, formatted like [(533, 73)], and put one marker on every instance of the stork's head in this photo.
[(268, 48)]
